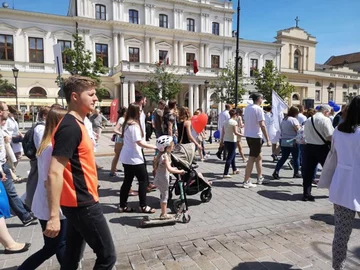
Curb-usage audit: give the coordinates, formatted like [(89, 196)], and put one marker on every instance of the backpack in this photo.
[(28, 143)]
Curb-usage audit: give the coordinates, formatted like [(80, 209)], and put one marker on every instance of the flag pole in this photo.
[(237, 56)]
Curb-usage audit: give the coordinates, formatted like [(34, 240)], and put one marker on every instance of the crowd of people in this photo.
[(62, 185)]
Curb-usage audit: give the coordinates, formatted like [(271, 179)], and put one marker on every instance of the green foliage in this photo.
[(224, 85), (269, 79), (6, 88), (161, 84), (79, 62)]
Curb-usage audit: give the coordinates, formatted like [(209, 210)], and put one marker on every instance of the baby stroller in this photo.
[(190, 183)]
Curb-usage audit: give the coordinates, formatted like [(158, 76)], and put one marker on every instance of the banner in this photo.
[(278, 107), (113, 110)]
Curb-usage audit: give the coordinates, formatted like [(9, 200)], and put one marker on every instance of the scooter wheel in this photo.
[(176, 206), (186, 218), (206, 196)]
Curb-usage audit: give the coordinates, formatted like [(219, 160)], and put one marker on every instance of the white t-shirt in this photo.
[(131, 152), (301, 118), (38, 134), (40, 206), (13, 128), (143, 122), (2, 147), (223, 117), (253, 115), (229, 135), (322, 124)]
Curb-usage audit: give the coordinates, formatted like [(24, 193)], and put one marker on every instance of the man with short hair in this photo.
[(73, 183), (318, 132), (223, 117), (254, 131), (15, 202), (169, 121), (301, 117), (158, 118)]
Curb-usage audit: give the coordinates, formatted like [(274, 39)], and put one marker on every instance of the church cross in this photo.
[(297, 21)]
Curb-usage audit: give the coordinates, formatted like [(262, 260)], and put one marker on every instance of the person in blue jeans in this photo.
[(228, 139), (289, 127)]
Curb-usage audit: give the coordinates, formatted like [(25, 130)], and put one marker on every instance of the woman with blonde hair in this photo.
[(40, 206), (184, 128)]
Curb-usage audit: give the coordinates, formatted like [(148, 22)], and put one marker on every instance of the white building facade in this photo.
[(130, 37)]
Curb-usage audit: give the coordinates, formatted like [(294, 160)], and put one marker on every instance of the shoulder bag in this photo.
[(317, 132), (328, 169)]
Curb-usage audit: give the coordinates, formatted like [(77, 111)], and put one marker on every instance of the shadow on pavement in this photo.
[(281, 195), (329, 219), (133, 221), (265, 265), (282, 183), (10, 268)]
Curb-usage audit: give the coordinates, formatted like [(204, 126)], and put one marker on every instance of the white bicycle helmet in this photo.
[(163, 141)]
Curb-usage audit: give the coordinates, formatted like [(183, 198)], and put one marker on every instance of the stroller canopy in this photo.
[(184, 153)]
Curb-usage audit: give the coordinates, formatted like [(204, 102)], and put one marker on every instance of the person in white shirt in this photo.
[(272, 132), (40, 206), (254, 130), (32, 180), (301, 117), (132, 158), (317, 131), (345, 185), (223, 117), (12, 127)]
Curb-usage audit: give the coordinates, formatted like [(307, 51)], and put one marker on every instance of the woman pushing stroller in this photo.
[(163, 168)]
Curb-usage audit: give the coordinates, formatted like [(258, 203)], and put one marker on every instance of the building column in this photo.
[(121, 11), (204, 99), (191, 98), (225, 56), (175, 19), (153, 51), (291, 65), (122, 47), (181, 19), (175, 54), (207, 56), (152, 15), (147, 50), (196, 97), (116, 49), (115, 10), (125, 95), (132, 92), (147, 14), (181, 53), (202, 55)]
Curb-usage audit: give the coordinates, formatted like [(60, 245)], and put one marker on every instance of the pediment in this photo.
[(269, 54), (34, 30), (101, 37), (190, 47), (5, 26), (216, 49), (133, 41), (255, 53), (164, 44), (62, 33)]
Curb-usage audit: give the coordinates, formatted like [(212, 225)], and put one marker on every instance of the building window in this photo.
[(163, 21), (295, 97), (317, 84), (134, 54), (190, 25), (102, 53), (330, 95), (267, 62), (296, 60), (36, 50), (344, 97), (345, 86), (100, 12), (37, 92), (65, 44), (215, 28), (190, 57), (162, 56), (6, 48), (355, 86), (317, 95), (253, 66), (133, 16), (215, 61)]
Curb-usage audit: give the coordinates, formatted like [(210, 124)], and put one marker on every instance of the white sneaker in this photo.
[(227, 176), (249, 185), (262, 181)]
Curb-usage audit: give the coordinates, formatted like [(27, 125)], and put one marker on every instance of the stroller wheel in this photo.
[(176, 206), (206, 196), (186, 218)]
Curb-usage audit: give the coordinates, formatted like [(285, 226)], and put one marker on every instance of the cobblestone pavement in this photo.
[(267, 227)]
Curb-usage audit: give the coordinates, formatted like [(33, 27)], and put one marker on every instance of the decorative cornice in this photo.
[(178, 10), (205, 15), (84, 31)]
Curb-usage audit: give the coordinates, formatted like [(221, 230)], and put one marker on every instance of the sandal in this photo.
[(133, 193), (166, 216), (147, 210), (126, 209)]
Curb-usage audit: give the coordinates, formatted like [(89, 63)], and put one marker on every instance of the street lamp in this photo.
[(206, 83), (329, 91), (16, 74), (122, 79), (237, 56)]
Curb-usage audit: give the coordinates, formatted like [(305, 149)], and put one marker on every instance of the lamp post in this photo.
[(206, 83), (237, 56), (122, 79), (329, 91), (16, 74)]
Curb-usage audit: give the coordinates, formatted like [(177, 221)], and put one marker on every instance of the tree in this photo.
[(161, 84), (79, 62), (268, 79), (6, 88), (224, 84)]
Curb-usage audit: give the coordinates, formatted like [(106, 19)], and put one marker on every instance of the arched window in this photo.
[(216, 28), (331, 85), (163, 21), (100, 12), (190, 25), (345, 86), (355, 86), (37, 92), (133, 16), (297, 56), (295, 97), (317, 84)]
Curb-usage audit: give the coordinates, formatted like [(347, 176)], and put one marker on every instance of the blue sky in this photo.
[(335, 23)]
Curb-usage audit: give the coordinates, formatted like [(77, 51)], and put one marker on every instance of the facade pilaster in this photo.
[(207, 56), (191, 98), (132, 92), (153, 51), (147, 13), (176, 15), (176, 53), (202, 55), (147, 49), (121, 11), (196, 98), (125, 95), (181, 53), (122, 47)]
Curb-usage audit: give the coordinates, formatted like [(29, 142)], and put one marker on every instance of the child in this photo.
[(162, 168)]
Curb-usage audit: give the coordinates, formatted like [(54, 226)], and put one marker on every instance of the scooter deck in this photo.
[(147, 221)]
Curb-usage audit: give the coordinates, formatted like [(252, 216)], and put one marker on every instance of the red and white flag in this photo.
[(196, 67)]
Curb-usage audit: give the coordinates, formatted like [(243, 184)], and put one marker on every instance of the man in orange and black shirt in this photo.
[(73, 182)]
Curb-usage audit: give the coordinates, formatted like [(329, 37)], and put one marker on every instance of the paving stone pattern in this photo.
[(267, 227)]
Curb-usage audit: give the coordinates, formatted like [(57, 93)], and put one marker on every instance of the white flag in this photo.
[(278, 107)]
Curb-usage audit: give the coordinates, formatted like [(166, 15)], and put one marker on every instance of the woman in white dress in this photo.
[(270, 127)]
